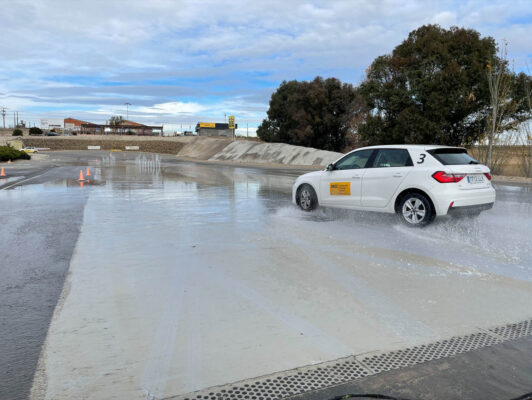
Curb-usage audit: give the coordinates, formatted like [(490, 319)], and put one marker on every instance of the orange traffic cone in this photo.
[(81, 178), (2, 172), (81, 184), (88, 172)]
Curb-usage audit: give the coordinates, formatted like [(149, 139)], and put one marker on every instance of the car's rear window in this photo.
[(453, 156)]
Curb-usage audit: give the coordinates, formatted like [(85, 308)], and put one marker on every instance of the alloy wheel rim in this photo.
[(414, 211), (305, 199)]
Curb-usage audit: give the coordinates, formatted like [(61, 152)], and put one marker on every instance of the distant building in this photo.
[(213, 129), (124, 127), (73, 125)]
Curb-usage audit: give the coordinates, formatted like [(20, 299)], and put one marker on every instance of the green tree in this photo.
[(17, 132), (318, 114), (431, 89), (116, 120), (35, 131)]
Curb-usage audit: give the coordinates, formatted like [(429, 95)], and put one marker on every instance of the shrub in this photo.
[(8, 153), (17, 132), (35, 131)]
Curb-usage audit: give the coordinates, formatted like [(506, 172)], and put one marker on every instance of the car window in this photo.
[(392, 158), (358, 159), (452, 156)]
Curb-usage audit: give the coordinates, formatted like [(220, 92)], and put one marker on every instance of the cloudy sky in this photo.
[(180, 62)]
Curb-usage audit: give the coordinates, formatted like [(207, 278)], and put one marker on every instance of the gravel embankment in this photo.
[(147, 144)]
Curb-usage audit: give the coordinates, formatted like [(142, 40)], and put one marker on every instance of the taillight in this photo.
[(487, 174), (444, 177)]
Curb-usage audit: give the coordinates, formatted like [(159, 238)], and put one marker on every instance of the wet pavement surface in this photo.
[(168, 276), (38, 235), (498, 372)]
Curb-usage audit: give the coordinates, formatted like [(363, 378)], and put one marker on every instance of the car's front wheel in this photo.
[(415, 210), (307, 198)]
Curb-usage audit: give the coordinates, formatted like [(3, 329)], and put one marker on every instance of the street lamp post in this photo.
[(127, 110)]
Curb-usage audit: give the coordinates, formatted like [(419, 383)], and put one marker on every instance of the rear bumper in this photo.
[(465, 210), (467, 200)]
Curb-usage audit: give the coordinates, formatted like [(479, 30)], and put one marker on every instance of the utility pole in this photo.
[(127, 110), (3, 109), (247, 129)]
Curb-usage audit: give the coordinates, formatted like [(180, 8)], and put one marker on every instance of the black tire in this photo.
[(415, 210), (306, 197)]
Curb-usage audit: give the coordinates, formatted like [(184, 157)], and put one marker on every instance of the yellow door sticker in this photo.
[(340, 188)]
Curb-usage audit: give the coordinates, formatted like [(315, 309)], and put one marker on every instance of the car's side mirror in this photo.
[(330, 167)]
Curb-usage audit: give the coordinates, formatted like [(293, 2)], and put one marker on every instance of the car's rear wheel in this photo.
[(307, 198), (415, 210)]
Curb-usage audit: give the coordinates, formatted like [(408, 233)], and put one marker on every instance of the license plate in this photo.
[(475, 179)]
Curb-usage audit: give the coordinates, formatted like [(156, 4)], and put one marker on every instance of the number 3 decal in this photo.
[(421, 158)]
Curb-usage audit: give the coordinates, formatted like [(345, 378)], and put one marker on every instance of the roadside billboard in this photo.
[(51, 123)]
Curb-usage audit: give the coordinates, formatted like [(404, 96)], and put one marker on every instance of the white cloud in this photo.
[(171, 108), (178, 59), (445, 18)]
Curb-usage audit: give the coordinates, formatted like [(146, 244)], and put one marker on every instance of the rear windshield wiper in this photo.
[(473, 162)]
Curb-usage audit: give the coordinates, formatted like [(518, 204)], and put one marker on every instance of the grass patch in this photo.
[(8, 153)]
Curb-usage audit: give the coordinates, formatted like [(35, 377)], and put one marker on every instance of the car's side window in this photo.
[(393, 158), (358, 159)]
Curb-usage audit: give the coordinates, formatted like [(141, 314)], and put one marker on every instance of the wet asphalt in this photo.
[(497, 372), (37, 239), (38, 235), (42, 213)]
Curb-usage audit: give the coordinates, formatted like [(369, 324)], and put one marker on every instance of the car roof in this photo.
[(409, 146)]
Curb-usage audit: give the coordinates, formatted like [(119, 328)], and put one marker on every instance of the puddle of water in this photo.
[(13, 179), (238, 247)]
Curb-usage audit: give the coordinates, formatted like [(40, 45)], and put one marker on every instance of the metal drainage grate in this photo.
[(514, 331), (284, 384), (288, 383), (428, 352)]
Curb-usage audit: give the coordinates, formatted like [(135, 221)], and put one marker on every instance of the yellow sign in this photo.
[(231, 121), (207, 125), (340, 188)]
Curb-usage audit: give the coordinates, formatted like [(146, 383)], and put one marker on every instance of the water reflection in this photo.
[(190, 194)]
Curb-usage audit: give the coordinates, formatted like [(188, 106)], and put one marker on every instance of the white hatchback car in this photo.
[(417, 182)]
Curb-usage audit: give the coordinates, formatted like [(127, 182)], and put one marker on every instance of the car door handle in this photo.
[(355, 177), (397, 175)]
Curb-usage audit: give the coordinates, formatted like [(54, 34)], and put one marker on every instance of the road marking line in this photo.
[(22, 181)]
